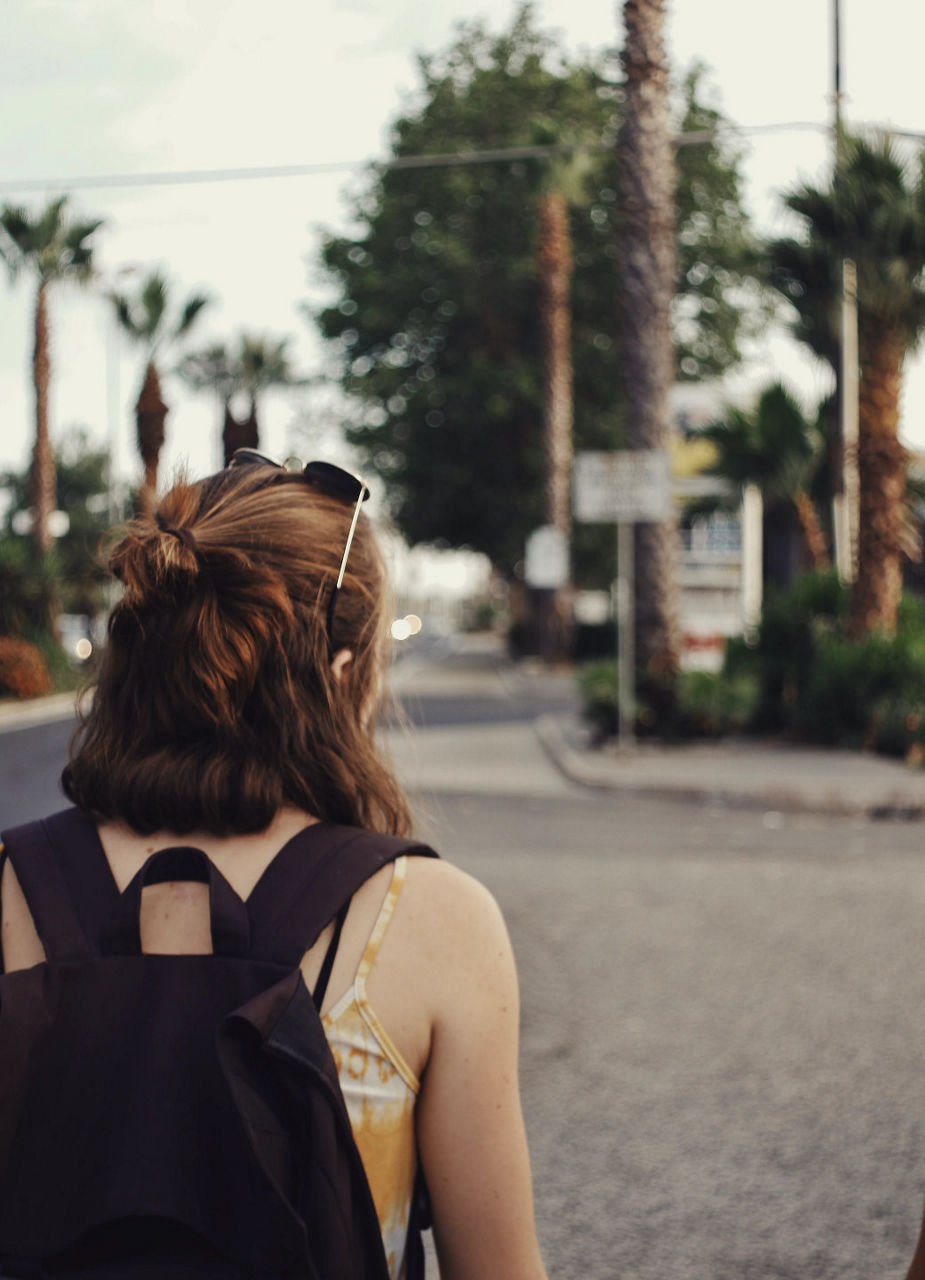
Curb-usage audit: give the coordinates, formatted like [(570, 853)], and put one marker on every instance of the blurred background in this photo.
[(652, 492)]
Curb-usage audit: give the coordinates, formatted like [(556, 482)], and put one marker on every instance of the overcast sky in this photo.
[(94, 87)]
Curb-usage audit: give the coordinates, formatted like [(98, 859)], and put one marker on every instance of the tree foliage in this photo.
[(73, 571), (717, 302), (152, 322), (779, 449), (256, 364), (54, 246), (872, 212), (435, 327)]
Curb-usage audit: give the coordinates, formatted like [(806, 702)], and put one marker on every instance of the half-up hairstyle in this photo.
[(216, 704)]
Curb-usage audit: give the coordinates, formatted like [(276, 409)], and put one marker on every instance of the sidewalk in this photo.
[(742, 772), (738, 772), (35, 711)]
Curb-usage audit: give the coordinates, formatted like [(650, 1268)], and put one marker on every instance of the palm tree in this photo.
[(647, 185), (145, 318), (873, 212), (563, 188), (212, 369), (54, 247), (258, 364), (778, 449)]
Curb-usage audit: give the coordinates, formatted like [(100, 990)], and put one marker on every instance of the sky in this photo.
[(102, 87)]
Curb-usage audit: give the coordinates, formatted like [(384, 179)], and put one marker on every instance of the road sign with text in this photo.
[(625, 486)]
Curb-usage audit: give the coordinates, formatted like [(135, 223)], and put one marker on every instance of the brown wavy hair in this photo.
[(216, 704)]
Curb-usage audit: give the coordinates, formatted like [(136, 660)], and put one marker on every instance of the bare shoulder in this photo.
[(442, 896), (454, 928)]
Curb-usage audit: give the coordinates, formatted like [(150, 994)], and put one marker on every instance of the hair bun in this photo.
[(153, 560), (185, 535)]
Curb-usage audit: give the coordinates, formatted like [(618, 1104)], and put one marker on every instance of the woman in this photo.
[(235, 709)]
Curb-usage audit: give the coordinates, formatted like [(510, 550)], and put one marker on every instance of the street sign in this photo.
[(625, 486), (546, 561)]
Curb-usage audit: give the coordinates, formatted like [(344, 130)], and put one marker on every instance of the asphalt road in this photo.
[(723, 1033), (723, 1024), (31, 760)]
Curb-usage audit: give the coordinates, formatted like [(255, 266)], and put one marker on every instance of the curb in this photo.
[(574, 766), (24, 715)]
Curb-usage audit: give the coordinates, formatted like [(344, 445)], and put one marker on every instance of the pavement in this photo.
[(512, 754), (772, 776)]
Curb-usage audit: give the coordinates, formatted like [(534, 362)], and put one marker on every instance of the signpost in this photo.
[(623, 488), (546, 561)]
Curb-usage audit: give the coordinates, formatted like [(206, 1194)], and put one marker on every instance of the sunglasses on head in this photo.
[(329, 479)]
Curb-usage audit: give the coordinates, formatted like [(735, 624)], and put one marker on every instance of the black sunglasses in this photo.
[(335, 481)]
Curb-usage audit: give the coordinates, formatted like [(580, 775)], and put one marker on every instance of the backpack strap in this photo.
[(33, 856), (311, 879), (228, 919)]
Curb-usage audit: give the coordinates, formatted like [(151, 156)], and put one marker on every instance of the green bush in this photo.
[(853, 683), (897, 728), (711, 703), (793, 625), (804, 676), (599, 691), (698, 704)]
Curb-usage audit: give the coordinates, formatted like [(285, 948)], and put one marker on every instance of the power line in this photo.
[(187, 177)]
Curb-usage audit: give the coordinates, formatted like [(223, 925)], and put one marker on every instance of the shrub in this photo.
[(714, 703), (897, 728), (698, 704), (853, 684), (793, 624), (23, 670), (598, 687)]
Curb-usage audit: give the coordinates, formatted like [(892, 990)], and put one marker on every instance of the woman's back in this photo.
[(235, 705), (440, 996)]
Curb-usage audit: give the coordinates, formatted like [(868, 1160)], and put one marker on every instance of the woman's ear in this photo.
[(339, 664)]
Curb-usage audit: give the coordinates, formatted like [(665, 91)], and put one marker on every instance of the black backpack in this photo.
[(178, 1115)]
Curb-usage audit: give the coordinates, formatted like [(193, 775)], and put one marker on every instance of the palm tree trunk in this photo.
[(43, 461), (150, 420), (811, 529), (250, 425), (882, 476), (554, 267), (554, 261), (648, 252), (239, 433)]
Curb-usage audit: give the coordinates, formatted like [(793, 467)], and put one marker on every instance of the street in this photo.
[(723, 1010)]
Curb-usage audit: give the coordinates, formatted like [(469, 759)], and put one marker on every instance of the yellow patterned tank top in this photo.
[(380, 1090)]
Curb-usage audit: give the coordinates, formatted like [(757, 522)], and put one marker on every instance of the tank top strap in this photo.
[(383, 920)]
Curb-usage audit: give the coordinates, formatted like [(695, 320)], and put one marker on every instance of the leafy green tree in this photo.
[(148, 319), (719, 296), (873, 212), (54, 247), (435, 329)]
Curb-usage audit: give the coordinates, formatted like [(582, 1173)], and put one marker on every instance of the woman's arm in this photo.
[(469, 1123)]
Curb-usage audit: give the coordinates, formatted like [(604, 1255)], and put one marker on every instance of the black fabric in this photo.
[(193, 1092)]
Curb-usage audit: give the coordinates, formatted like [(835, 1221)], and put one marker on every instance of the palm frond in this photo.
[(124, 314), (211, 369), (189, 314)]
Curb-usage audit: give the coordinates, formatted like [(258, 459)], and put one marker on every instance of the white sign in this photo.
[(546, 561), (624, 486)]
